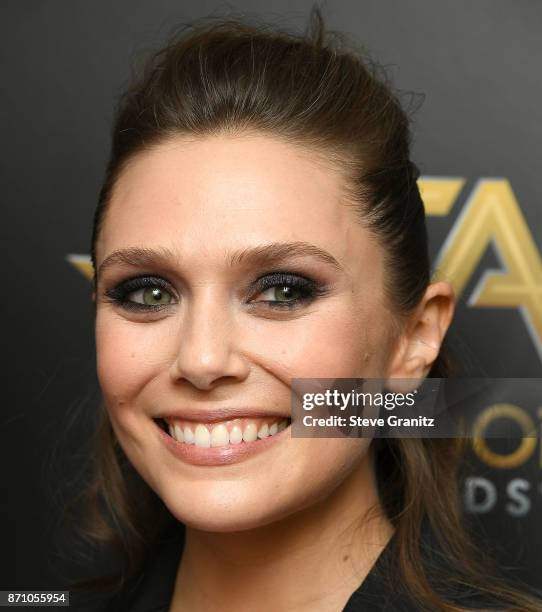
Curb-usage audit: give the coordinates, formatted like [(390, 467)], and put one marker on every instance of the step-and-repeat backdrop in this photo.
[(478, 142)]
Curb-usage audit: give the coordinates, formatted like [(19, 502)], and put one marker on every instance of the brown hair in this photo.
[(229, 76)]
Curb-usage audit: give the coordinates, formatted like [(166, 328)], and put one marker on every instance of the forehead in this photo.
[(226, 192)]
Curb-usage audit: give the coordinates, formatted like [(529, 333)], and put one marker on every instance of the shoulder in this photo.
[(385, 589)]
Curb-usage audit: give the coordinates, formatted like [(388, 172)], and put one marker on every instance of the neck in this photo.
[(311, 560)]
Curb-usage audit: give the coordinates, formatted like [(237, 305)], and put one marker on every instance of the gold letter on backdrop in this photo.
[(491, 214)]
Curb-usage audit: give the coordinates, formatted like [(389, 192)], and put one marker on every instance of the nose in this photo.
[(208, 349)]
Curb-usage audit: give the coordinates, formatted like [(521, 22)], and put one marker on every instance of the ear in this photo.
[(421, 338)]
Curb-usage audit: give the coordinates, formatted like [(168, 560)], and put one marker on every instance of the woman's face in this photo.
[(213, 339)]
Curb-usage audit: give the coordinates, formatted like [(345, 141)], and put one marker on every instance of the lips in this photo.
[(214, 442), (217, 414)]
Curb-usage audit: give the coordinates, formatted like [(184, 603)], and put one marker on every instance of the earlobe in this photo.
[(415, 367), (423, 335)]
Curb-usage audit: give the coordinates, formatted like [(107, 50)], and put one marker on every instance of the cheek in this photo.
[(320, 465), (330, 343), (128, 356)]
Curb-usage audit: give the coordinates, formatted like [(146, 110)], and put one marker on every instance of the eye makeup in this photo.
[(298, 290), (306, 288), (119, 294)]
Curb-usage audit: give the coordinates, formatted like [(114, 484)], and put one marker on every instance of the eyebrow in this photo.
[(267, 254)]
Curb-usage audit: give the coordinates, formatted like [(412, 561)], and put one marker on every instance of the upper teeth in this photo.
[(222, 434)]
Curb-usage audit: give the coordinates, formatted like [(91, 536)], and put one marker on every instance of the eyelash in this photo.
[(309, 289)]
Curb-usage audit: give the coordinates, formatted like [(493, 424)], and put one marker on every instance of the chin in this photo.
[(227, 507)]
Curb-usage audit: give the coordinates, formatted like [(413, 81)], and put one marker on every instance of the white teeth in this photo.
[(219, 436), (202, 437), (178, 433), (188, 435), (236, 435), (251, 433)]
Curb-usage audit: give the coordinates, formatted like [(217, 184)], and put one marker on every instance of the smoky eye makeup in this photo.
[(278, 290), (151, 293), (286, 290)]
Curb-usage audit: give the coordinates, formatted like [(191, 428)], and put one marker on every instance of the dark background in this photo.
[(479, 65)]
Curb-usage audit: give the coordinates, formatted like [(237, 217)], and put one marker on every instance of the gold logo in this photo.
[(526, 447), (491, 215)]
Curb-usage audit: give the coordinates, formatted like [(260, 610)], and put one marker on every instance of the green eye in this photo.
[(286, 290), (284, 293), (142, 294), (152, 296)]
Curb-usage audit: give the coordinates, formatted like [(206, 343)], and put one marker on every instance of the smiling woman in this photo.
[(260, 222)]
